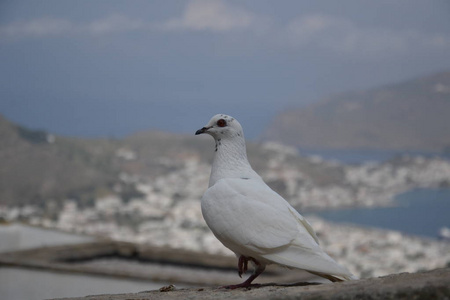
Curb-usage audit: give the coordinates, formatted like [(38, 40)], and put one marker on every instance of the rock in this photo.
[(427, 285)]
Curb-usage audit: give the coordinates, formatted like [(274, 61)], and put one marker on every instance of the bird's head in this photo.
[(221, 127)]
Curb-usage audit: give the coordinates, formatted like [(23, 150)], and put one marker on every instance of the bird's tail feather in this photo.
[(334, 278), (314, 261)]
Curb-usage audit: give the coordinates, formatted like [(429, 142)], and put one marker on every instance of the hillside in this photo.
[(48, 173), (41, 169), (413, 115), (36, 166)]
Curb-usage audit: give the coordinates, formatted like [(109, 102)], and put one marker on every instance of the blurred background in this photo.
[(345, 106)]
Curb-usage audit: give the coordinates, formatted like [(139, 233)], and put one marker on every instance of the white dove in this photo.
[(252, 220)]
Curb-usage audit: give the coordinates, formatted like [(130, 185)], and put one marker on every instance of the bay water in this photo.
[(420, 212)]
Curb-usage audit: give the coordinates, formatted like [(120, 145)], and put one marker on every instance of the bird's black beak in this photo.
[(203, 130)]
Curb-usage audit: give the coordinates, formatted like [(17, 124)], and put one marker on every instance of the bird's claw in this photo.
[(242, 265)]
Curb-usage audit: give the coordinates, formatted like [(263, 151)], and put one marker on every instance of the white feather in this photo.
[(249, 218)]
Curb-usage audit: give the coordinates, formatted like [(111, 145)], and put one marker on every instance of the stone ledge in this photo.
[(157, 264), (426, 285)]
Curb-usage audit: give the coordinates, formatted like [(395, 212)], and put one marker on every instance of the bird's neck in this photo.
[(230, 161)]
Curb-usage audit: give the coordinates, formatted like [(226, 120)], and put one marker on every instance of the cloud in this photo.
[(342, 36), (36, 28), (317, 32), (53, 27), (115, 24), (198, 15), (211, 15)]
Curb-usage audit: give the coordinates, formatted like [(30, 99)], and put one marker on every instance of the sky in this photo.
[(112, 68)]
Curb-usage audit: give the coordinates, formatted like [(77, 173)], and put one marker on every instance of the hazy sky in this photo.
[(110, 68)]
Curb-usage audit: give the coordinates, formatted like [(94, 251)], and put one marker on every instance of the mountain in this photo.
[(44, 170), (36, 166), (413, 115)]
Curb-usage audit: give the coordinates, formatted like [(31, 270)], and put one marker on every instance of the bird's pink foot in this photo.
[(242, 265)]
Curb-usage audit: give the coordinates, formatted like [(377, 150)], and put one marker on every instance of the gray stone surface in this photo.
[(427, 285), (127, 260)]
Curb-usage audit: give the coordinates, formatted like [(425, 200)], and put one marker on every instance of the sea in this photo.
[(422, 212)]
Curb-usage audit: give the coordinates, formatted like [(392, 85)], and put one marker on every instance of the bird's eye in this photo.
[(221, 123)]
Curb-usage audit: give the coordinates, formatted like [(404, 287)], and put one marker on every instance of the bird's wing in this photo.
[(251, 219), (249, 214), (305, 223)]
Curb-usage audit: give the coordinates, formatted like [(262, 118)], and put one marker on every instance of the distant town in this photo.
[(167, 212)]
